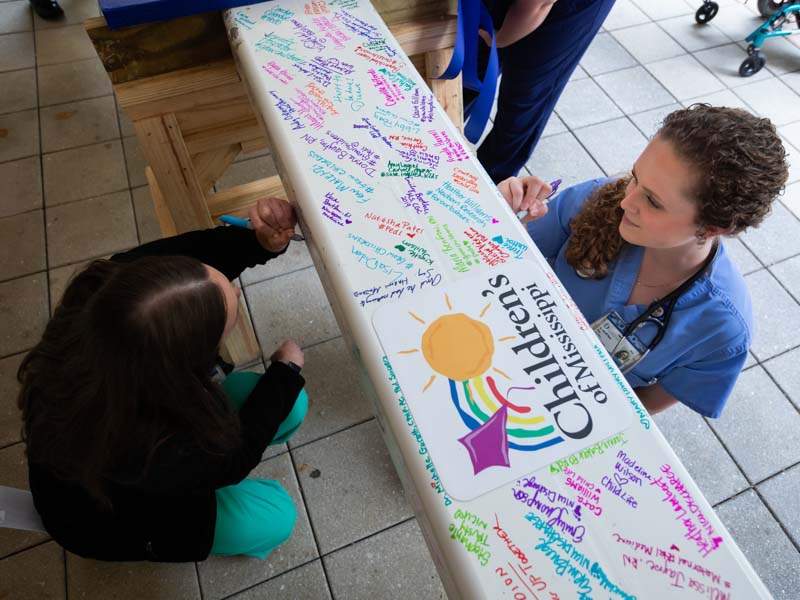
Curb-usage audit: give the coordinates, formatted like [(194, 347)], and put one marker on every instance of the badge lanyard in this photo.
[(617, 337)]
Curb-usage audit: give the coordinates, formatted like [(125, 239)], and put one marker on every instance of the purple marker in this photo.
[(553, 184)]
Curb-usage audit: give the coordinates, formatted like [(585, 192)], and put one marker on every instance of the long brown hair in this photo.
[(123, 365), (743, 166)]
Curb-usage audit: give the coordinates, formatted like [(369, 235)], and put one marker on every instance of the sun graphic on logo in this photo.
[(461, 348)]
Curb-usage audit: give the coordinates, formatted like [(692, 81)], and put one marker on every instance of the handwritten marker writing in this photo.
[(553, 184), (245, 224)]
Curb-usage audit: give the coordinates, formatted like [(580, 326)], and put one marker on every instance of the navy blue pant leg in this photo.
[(535, 71)]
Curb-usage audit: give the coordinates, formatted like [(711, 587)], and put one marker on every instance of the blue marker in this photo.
[(553, 184), (245, 224)]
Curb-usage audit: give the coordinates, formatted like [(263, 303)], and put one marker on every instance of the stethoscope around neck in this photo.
[(659, 312)]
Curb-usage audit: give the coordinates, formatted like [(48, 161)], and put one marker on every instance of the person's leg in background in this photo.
[(256, 515), (47, 9), (535, 71)]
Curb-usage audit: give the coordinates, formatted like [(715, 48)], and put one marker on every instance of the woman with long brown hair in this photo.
[(643, 258), (134, 452)]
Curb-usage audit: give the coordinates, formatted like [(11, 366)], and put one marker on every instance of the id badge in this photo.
[(626, 351)]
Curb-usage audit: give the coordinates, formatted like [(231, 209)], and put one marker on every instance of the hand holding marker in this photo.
[(245, 224), (553, 184)]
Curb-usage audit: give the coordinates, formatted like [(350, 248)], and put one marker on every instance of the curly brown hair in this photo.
[(743, 167)]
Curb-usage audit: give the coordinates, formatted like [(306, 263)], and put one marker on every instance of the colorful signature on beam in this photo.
[(330, 31), (470, 531), (588, 492), (630, 469), (698, 527), (559, 510), (275, 70), (396, 289), (422, 110), (453, 150), (317, 7), (569, 562), (279, 46), (393, 226), (414, 199), (587, 453), (406, 170), (392, 64), (490, 251), (391, 92), (465, 179), (457, 203), (347, 90), (461, 254), (419, 156), (358, 26), (681, 572), (277, 15), (412, 143)]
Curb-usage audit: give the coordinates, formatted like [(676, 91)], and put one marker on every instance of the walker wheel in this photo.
[(767, 8), (706, 12), (751, 65)]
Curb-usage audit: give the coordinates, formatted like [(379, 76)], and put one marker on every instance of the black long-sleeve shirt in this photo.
[(170, 515)]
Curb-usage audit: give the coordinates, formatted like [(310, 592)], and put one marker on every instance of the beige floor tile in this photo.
[(247, 171), (291, 306), (135, 162), (15, 16), (21, 245), (73, 81), (17, 51), (221, 576), (295, 258), (146, 220), (17, 90), (36, 574), (10, 416), (63, 44), (23, 303), (75, 11), (336, 399), (78, 123), (306, 582), (84, 172), (14, 473), (90, 228), (131, 580), (19, 134), (21, 183)]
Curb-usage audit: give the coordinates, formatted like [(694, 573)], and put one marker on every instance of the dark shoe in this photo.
[(47, 9)]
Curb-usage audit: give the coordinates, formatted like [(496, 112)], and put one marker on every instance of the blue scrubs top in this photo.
[(708, 335)]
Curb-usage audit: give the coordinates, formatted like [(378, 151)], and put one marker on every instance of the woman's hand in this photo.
[(273, 220), (289, 351), (526, 193)]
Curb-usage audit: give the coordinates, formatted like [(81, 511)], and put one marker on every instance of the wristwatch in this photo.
[(292, 365)]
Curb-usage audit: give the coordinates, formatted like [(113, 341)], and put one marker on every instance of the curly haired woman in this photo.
[(649, 244)]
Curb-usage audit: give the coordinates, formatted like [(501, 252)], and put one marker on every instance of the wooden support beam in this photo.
[(211, 164), (236, 200), (165, 221), (171, 164)]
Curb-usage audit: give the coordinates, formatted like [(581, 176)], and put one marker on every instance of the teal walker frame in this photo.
[(780, 13)]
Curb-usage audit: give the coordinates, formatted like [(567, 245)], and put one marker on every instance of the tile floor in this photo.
[(73, 189)]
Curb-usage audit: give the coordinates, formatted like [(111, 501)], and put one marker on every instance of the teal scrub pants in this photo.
[(255, 515)]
